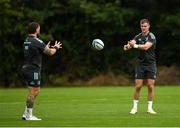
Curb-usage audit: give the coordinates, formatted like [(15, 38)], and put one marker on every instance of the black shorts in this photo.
[(145, 71), (32, 75)]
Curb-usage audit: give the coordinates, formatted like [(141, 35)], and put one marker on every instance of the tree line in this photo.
[(76, 23)]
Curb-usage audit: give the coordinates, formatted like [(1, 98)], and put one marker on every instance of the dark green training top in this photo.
[(33, 50), (146, 56)]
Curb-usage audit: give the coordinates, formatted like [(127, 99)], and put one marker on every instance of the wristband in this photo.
[(136, 46)]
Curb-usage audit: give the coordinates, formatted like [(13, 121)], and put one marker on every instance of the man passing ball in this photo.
[(146, 68)]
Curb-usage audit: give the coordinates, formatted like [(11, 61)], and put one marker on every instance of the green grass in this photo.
[(91, 106)]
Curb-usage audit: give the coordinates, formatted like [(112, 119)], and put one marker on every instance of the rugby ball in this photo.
[(98, 44)]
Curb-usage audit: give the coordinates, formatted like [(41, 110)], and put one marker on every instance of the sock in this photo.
[(29, 112), (150, 105), (135, 104)]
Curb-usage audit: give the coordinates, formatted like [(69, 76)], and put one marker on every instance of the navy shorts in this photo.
[(31, 75), (145, 71)]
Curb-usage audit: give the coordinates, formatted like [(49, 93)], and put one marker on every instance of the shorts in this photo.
[(145, 71), (31, 75)]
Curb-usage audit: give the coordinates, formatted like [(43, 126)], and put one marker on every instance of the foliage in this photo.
[(76, 23)]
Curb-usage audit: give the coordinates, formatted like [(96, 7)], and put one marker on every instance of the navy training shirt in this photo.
[(33, 50), (146, 56)]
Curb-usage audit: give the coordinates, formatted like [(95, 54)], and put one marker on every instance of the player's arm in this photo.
[(48, 50), (128, 46), (145, 46)]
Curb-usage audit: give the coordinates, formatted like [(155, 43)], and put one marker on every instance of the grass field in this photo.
[(91, 106)]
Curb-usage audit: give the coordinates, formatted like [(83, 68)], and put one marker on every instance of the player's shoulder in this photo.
[(151, 35), (34, 39), (38, 40), (138, 35)]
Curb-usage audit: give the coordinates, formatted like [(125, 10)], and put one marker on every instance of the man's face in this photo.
[(145, 27)]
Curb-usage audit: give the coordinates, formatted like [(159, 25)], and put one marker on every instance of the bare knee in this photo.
[(34, 91), (150, 84), (138, 88), (150, 87), (37, 91), (138, 85)]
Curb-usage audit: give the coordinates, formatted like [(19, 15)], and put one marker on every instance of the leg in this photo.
[(151, 76), (138, 86), (33, 93), (150, 85), (32, 78), (139, 77)]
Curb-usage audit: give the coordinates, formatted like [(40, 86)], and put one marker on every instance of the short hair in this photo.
[(142, 21), (32, 27)]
